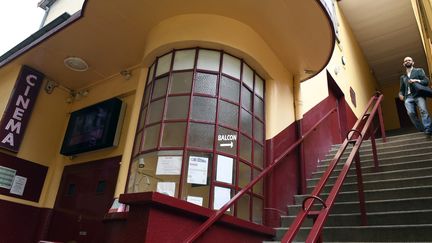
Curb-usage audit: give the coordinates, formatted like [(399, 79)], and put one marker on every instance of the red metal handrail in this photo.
[(322, 215), (212, 219)]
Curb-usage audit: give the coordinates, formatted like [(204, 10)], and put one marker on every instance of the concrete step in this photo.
[(377, 194), (393, 140), (381, 183), (388, 205), (385, 233), (377, 218), (367, 149), (375, 176), (402, 156), (394, 151)]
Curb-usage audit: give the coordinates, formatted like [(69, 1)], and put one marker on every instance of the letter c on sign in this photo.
[(29, 79)]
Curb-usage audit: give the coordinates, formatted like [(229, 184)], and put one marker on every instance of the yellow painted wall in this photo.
[(8, 76), (355, 73), (391, 118), (238, 39)]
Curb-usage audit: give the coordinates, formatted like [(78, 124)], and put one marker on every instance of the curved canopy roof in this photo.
[(111, 35)]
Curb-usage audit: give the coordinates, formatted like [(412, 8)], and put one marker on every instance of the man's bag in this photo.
[(422, 90)]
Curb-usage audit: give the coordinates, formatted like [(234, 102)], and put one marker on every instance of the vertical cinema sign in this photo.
[(20, 105)]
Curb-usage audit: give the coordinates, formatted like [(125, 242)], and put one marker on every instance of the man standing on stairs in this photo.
[(408, 94)]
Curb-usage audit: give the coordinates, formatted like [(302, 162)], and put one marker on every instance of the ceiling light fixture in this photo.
[(76, 64)]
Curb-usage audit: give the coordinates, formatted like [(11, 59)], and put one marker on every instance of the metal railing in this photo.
[(212, 219), (355, 137)]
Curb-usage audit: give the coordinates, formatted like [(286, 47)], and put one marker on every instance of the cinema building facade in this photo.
[(132, 121)]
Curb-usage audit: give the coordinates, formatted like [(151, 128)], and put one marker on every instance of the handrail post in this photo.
[(381, 120), (362, 204), (301, 161), (374, 150)]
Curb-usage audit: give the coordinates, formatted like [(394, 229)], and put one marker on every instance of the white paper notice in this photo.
[(18, 185), (224, 170), (167, 188), (6, 177), (197, 172), (168, 165), (221, 196), (195, 200)]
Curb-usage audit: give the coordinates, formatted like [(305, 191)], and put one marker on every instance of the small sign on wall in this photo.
[(6, 177)]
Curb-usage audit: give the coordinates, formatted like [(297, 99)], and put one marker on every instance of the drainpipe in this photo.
[(301, 189), (45, 5), (47, 9)]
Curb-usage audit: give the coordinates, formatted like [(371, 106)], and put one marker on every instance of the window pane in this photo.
[(228, 114), (229, 89), (184, 59), (243, 207), (204, 109), (259, 108), (248, 76), (143, 176), (231, 66), (245, 148), (258, 131), (221, 196), (142, 119), (156, 110), (259, 86), (225, 169), (177, 107), (151, 137), (246, 122), (147, 95), (174, 134), (258, 155), (150, 74), (137, 143), (244, 174), (227, 146), (259, 186), (257, 210), (201, 135), (246, 99), (208, 60), (191, 192), (164, 64), (205, 83), (160, 87), (181, 83)]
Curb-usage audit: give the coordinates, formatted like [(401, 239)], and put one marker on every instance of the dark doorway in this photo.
[(404, 119), (336, 94), (85, 195)]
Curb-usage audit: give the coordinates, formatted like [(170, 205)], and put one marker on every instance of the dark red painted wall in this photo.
[(21, 223), (154, 217), (318, 143), (284, 182)]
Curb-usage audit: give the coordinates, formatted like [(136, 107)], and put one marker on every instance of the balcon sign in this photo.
[(18, 110)]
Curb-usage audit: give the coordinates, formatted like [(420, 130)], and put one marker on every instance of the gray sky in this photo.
[(18, 20)]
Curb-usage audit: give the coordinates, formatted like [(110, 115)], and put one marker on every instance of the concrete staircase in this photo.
[(398, 196)]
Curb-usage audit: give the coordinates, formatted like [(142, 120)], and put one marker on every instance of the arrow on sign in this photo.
[(227, 144)]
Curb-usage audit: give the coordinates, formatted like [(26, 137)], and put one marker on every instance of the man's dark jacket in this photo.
[(416, 73)]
